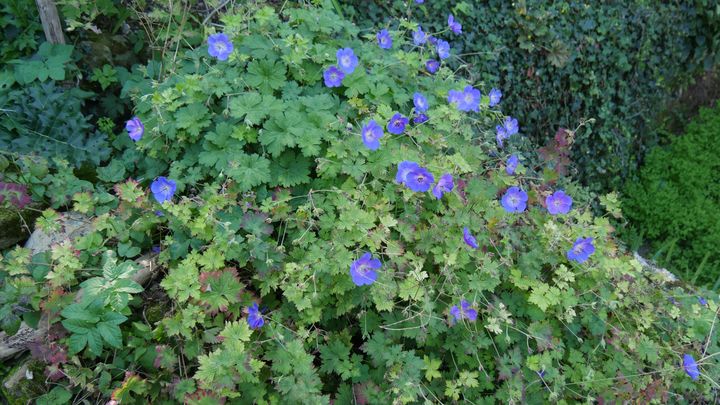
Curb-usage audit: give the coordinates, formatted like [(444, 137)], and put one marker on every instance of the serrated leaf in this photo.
[(249, 171), (111, 333)]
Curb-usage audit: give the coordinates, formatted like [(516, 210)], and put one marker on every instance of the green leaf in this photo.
[(94, 342), (254, 107), (57, 396), (111, 333), (80, 313), (76, 343), (266, 75), (249, 171), (290, 170)]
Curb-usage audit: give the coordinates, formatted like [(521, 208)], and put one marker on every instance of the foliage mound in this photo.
[(271, 195), (675, 203), (562, 62)]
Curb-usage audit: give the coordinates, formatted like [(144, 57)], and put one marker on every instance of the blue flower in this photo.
[(159, 213), (397, 123), (419, 180), (404, 168), (501, 135), (469, 238), (163, 189), (346, 60), (255, 318), (384, 39), (333, 76), (419, 1), (690, 366), (495, 96), (702, 301), (455, 97), (511, 164), (135, 128), (432, 66), (419, 36), (420, 102), (469, 99), (219, 46), (156, 249), (558, 203), (432, 40), (444, 185), (514, 200), (443, 49), (511, 126), (581, 250), (371, 134), (420, 118), (455, 26), (508, 128), (463, 312), (362, 270)]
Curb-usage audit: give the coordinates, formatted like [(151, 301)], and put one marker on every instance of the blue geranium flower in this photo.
[(404, 169), (255, 318), (455, 26), (558, 203), (420, 118), (514, 200), (501, 135), (371, 134), (419, 1), (469, 238), (163, 189), (511, 126), (397, 124), (469, 99), (511, 164), (581, 250), (362, 270), (420, 102), (702, 301), (432, 66), (333, 76), (443, 49), (346, 60), (135, 128), (384, 39), (465, 311), (495, 96), (219, 46), (444, 185), (419, 37), (455, 97), (690, 366), (508, 128), (419, 180)]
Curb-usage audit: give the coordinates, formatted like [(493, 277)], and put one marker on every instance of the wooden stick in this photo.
[(50, 21)]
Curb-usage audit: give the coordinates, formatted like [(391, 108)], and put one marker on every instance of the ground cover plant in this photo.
[(341, 218), (674, 203)]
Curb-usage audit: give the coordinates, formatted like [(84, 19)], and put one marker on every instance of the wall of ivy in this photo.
[(559, 62)]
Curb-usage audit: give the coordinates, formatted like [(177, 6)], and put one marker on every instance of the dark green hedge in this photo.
[(558, 62), (676, 202)]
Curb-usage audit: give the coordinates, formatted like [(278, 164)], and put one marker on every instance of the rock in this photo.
[(72, 225), (24, 383), (648, 265)]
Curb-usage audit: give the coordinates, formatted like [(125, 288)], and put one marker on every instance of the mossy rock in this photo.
[(14, 225), (18, 389)]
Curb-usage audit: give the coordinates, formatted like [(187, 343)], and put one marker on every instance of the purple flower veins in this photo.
[(346, 60), (514, 200), (219, 46), (163, 189), (255, 318), (444, 185), (371, 134), (465, 311), (135, 128), (558, 203), (333, 76), (581, 250), (397, 124)]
